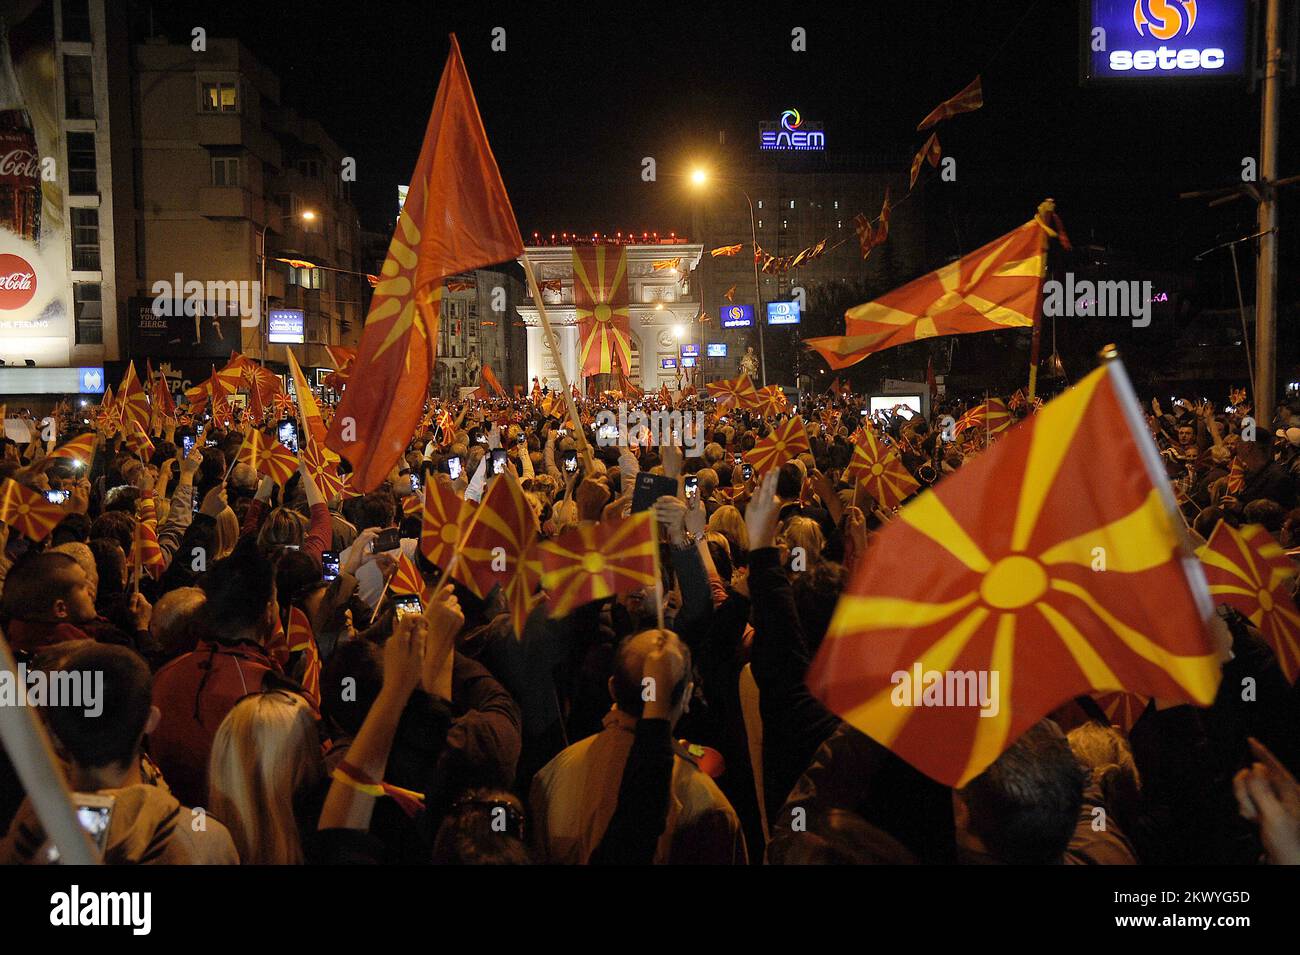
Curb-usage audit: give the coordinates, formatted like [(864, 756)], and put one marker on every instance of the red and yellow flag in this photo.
[(770, 401), (278, 463), (162, 404), (496, 550), (408, 581), (725, 250), (600, 297), (594, 561), (968, 100), (301, 638), (1052, 565), (930, 152), (132, 400), (80, 448), (445, 514), (490, 379), (789, 439), (27, 511), (1247, 569), (148, 553), (253, 451), (1122, 709), (996, 286), (739, 392), (881, 469), (1236, 480), (108, 416), (456, 218), (323, 474), (138, 441), (990, 415)]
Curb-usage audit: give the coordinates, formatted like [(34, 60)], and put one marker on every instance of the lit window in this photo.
[(220, 97), (760, 203), (791, 203), (85, 240), (836, 204), (88, 309), (839, 223), (760, 223)]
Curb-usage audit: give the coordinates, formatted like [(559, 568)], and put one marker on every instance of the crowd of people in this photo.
[(544, 746)]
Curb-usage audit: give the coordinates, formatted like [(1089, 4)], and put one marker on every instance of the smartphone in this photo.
[(407, 605), (289, 435), (415, 481), (480, 438), (95, 813), (499, 460), (563, 432), (570, 462), (390, 539), (56, 497), (210, 443), (691, 485), (330, 562), (864, 412), (748, 471), (737, 458), (187, 444), (522, 438), (454, 466)]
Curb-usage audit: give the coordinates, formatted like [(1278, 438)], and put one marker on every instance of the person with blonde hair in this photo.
[(805, 534), (728, 522), (266, 763)]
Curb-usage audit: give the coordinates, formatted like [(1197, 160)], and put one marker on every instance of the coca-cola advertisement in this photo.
[(35, 287)]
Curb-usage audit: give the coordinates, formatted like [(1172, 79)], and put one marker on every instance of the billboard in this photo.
[(1133, 40), (691, 351), (738, 316), (783, 313), (285, 326), (35, 274), (791, 133), (668, 363), (716, 350), (207, 334)]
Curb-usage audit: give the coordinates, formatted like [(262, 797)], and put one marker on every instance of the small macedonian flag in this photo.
[(445, 514), (323, 474), (1122, 709), (770, 401), (80, 448), (137, 440), (148, 554), (990, 416), (497, 548), (1247, 569), (595, 561), (408, 581), (880, 469), (1052, 565), (789, 439), (278, 463), (739, 392), (301, 638), (27, 511)]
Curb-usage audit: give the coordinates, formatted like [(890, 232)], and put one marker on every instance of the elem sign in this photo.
[(1126, 40)]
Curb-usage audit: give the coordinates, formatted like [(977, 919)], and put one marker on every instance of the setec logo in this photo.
[(1165, 20), (791, 134)]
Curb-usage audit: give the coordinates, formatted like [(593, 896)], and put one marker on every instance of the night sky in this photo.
[(584, 91)]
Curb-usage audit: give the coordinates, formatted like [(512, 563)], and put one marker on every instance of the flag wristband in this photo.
[(408, 801)]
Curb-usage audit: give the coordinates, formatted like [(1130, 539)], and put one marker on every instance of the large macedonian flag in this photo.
[(997, 286), (1053, 565), (881, 469), (739, 392), (595, 561), (600, 297), (444, 514), (1247, 569), (787, 440)]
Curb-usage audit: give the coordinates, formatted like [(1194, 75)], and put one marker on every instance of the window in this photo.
[(760, 203), (220, 97), (836, 204), (791, 203), (839, 223), (225, 170), (785, 223), (305, 278), (88, 310), (76, 21), (309, 168), (760, 223), (82, 177), (85, 240), (79, 87)]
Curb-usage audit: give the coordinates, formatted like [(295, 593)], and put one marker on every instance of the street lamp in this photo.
[(306, 215), (699, 178)]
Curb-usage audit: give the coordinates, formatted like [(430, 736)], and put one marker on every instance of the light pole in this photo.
[(307, 215), (700, 177)]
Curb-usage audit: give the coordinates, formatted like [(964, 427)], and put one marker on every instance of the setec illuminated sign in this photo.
[(793, 132), (738, 316), (1133, 39), (690, 351)]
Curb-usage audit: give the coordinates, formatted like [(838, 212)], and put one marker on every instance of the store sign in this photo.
[(792, 132), (716, 350), (1136, 39), (285, 325), (668, 363), (690, 351), (783, 313), (738, 316)]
